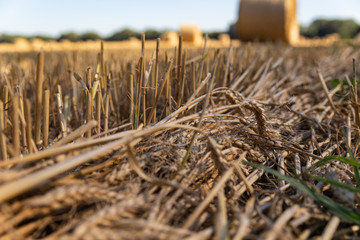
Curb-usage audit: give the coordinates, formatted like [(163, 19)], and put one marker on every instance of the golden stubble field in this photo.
[(247, 141)]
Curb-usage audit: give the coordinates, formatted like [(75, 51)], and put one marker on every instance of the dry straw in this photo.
[(268, 20), (218, 111)]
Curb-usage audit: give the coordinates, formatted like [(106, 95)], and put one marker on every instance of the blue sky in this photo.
[(52, 17)]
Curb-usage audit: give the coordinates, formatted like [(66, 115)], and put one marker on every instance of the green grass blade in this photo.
[(336, 184), (334, 158), (337, 209), (357, 176), (356, 170)]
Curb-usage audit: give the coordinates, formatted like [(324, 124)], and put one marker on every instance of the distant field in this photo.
[(127, 140)]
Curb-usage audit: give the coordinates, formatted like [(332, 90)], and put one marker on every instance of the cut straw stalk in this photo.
[(155, 85), (132, 105), (98, 111), (164, 81), (22, 118), (106, 114), (89, 110), (228, 64), (15, 126), (2, 133), (39, 94), (168, 105), (28, 125), (143, 92), (46, 117), (6, 104), (182, 80), (102, 66), (147, 74), (67, 103), (138, 90), (193, 77), (202, 60), (179, 59), (61, 113), (142, 82)]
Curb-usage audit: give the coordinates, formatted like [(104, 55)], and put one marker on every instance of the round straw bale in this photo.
[(37, 43), (170, 37), (224, 38), (268, 20), (191, 34), (21, 44)]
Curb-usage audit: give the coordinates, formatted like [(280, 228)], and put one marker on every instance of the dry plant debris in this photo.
[(180, 143)]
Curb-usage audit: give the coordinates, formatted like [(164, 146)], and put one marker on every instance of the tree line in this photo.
[(322, 27), (318, 28), (124, 34)]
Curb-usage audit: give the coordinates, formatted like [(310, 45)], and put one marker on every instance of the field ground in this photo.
[(253, 141)]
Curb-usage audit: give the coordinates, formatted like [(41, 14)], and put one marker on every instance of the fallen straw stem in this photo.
[(214, 191), (135, 165), (75, 134), (326, 90), (17, 187), (26, 183), (60, 149)]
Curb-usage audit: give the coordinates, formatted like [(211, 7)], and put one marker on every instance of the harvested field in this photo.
[(257, 141)]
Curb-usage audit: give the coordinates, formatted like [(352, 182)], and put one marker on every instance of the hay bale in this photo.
[(170, 37), (21, 44), (224, 38), (191, 34), (37, 44), (268, 20)]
